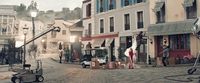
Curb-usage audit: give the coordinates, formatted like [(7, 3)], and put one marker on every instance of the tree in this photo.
[(78, 12), (21, 10)]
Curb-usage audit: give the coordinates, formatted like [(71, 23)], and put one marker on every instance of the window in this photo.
[(140, 23), (111, 24), (161, 15), (112, 4), (89, 29), (191, 11), (4, 30), (63, 32), (126, 2), (139, 1), (53, 34), (101, 6), (101, 26), (127, 22), (180, 41), (86, 33), (88, 10), (4, 20)]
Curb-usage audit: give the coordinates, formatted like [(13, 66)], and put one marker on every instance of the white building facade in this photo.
[(88, 20), (7, 23), (117, 23)]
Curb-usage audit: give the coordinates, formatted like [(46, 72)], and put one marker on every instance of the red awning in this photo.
[(100, 36)]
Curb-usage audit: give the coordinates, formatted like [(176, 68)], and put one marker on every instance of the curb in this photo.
[(4, 77), (3, 66)]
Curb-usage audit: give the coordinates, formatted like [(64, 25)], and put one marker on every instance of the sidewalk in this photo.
[(6, 72)]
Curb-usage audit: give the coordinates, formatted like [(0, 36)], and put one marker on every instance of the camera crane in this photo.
[(53, 28), (196, 32)]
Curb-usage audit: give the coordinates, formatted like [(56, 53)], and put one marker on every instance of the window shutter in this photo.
[(134, 1), (114, 4), (122, 3), (130, 2), (105, 5), (97, 6)]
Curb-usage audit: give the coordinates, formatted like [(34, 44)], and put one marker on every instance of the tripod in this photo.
[(194, 67)]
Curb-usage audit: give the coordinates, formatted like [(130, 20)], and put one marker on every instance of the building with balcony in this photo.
[(88, 21), (116, 23), (170, 24)]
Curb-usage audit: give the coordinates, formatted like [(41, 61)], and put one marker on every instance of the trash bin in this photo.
[(111, 65), (94, 64)]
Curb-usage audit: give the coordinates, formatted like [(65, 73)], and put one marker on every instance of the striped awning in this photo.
[(188, 3), (109, 41), (98, 42)]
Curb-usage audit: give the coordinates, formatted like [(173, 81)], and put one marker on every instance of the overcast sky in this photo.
[(56, 5)]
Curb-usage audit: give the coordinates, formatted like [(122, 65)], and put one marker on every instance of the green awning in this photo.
[(158, 6), (188, 3), (171, 28)]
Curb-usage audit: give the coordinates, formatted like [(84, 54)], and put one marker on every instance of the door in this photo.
[(142, 51), (159, 46)]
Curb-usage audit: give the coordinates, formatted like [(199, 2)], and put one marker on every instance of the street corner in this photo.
[(6, 75)]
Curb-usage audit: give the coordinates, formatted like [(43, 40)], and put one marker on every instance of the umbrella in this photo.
[(134, 45)]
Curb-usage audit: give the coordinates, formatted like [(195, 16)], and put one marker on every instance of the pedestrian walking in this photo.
[(131, 58), (60, 56), (67, 54), (61, 52), (165, 55)]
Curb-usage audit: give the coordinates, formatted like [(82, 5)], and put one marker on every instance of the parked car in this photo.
[(101, 54)]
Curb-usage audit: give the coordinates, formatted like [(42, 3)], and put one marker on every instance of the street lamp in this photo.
[(72, 40), (25, 30), (33, 12)]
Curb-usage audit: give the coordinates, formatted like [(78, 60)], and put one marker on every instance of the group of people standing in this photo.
[(132, 56), (69, 55)]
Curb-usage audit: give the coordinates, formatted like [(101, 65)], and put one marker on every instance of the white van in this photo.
[(100, 53)]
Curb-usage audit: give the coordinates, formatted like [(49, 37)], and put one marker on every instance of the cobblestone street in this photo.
[(55, 72), (150, 75)]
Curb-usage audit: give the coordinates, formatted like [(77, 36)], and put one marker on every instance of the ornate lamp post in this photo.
[(33, 12), (72, 40), (25, 30)]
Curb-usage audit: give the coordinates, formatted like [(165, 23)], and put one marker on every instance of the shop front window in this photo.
[(180, 41)]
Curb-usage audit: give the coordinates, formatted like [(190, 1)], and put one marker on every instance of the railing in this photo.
[(101, 9), (111, 28), (126, 3), (101, 30), (127, 26), (111, 7), (140, 25)]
